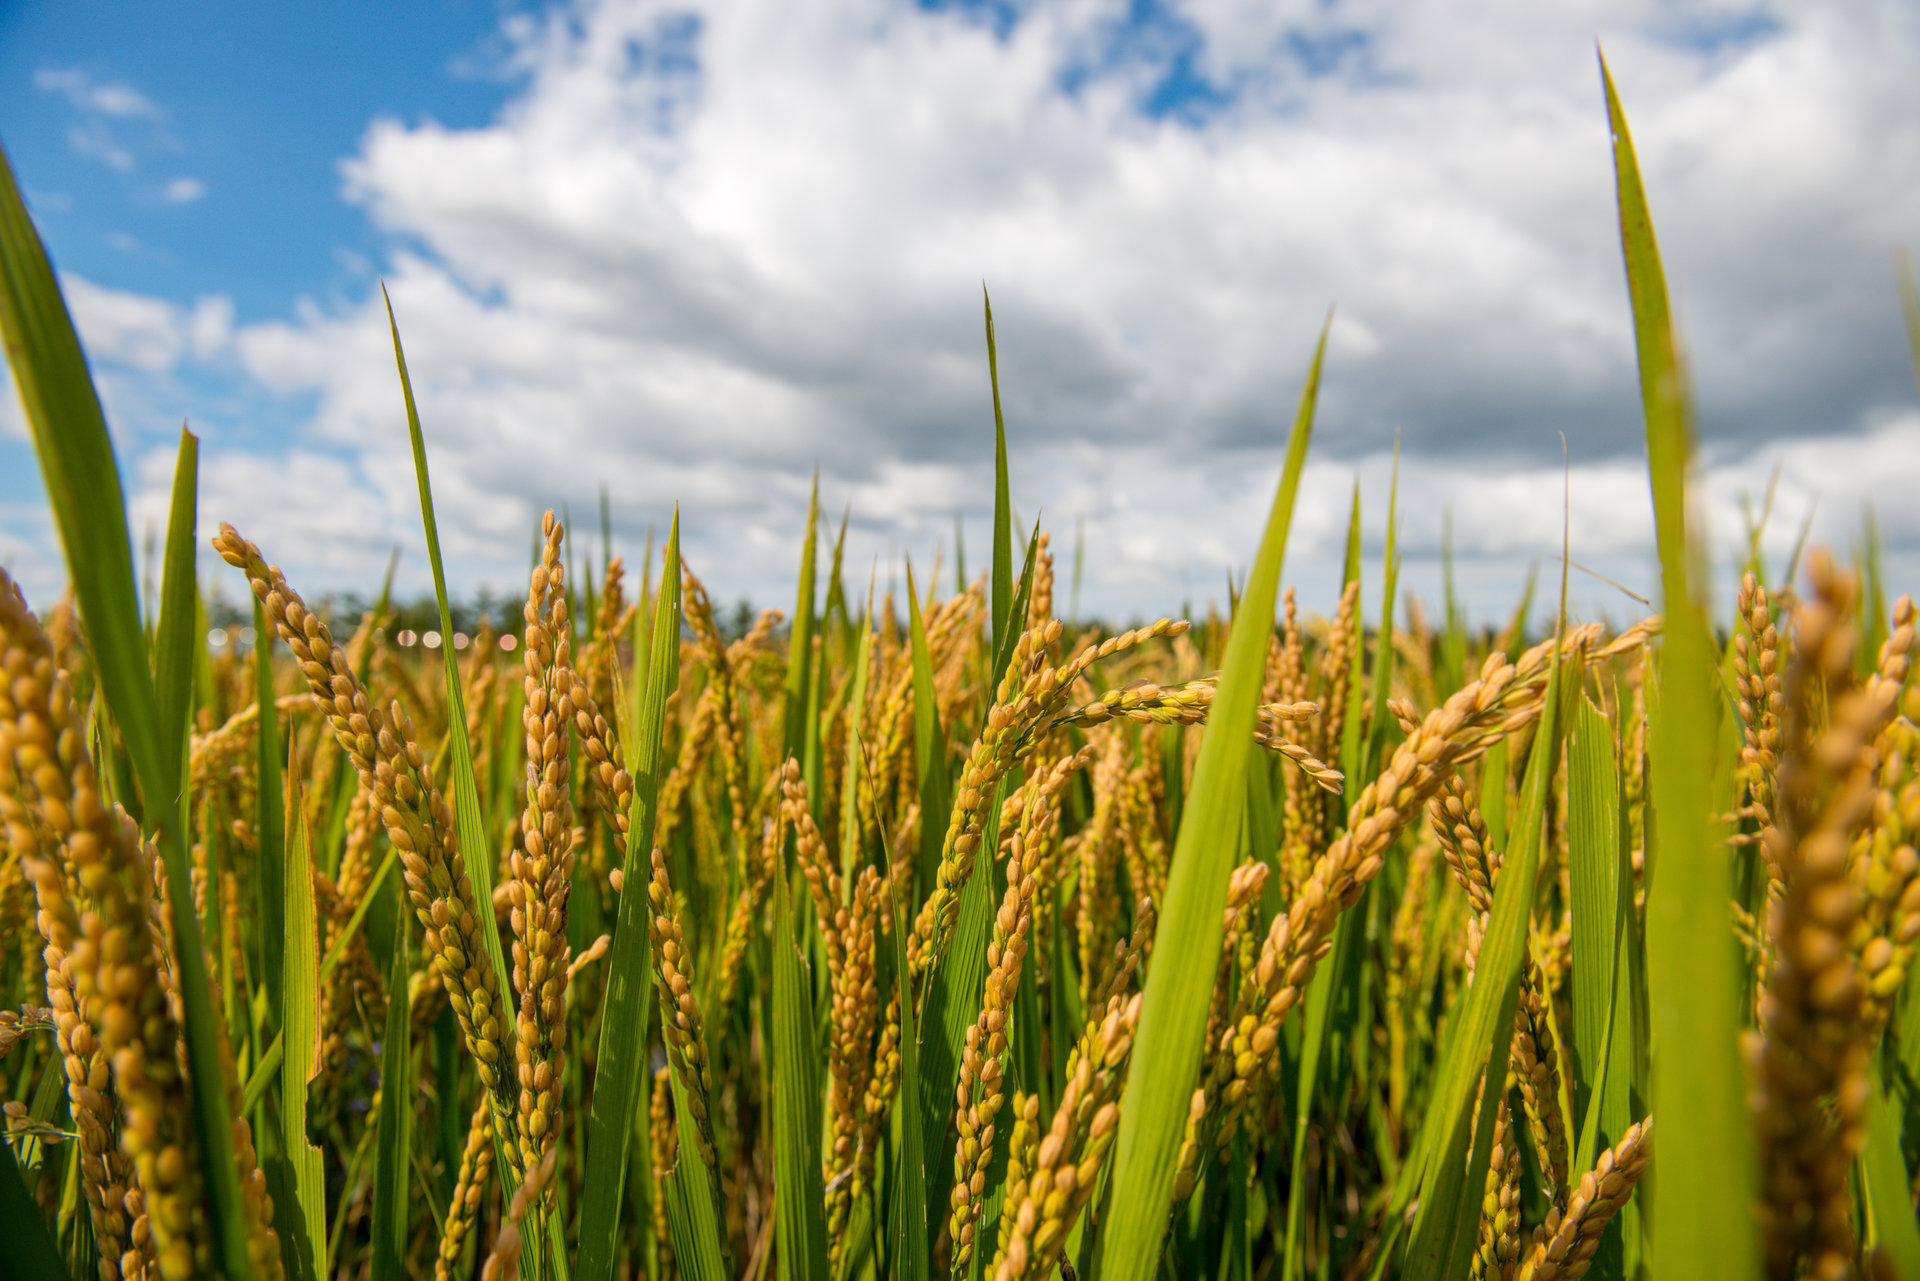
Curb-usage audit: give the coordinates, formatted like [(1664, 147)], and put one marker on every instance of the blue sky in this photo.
[(689, 251), (255, 105)]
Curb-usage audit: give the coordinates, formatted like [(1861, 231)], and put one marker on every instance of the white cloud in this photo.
[(183, 191), (85, 93), (106, 110), (703, 249), (94, 141), (125, 328)]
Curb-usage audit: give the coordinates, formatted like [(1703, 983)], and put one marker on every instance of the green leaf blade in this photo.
[(176, 650), (1167, 1046), (1704, 1191), (800, 1228), (394, 1142), (629, 965), (300, 1004), (89, 509)]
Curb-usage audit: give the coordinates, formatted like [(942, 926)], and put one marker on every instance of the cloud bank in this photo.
[(705, 249)]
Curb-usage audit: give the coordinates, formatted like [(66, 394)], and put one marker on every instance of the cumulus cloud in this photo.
[(707, 247)]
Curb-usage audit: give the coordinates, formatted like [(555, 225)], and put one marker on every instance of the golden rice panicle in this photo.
[(1756, 665), (816, 863), (665, 1143), (469, 1192), (1810, 1049), (1143, 846), (604, 766), (1499, 1243), (1147, 703), (503, 1264), (882, 1084), (728, 733), (1321, 774), (1023, 1145), (855, 1012), (104, 1170), (1462, 830), (1336, 669), (740, 922), (608, 627), (991, 757), (1130, 957), (543, 868), (1462, 833), (1506, 697), (1536, 1064), (1066, 1164), (101, 953), (1040, 600), (17, 1025), (1299, 817), (1564, 1245), (1031, 693), (981, 1088), (388, 759), (1886, 865), (680, 1018), (1099, 896), (1407, 950), (695, 746), (1244, 888), (263, 1243)]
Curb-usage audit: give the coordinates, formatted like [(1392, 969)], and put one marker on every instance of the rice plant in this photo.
[(933, 936)]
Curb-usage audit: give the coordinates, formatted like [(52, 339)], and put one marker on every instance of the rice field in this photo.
[(938, 936)]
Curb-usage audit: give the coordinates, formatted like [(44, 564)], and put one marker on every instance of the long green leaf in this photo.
[(1884, 1171), (1173, 1014), (1350, 726), (1002, 602), (1453, 646), (623, 1021), (1703, 1195), (951, 1000), (800, 1228), (31, 1254), (1380, 722), (300, 1005), (270, 825), (474, 850), (850, 844), (907, 1251), (1593, 871), (1003, 656), (800, 638), (394, 1156), (542, 1234), (89, 509), (177, 646), (691, 1219), (1348, 935), (1444, 1230), (272, 1057), (1604, 961), (929, 746)]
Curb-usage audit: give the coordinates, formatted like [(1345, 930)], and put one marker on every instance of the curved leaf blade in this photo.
[(1173, 1013)]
